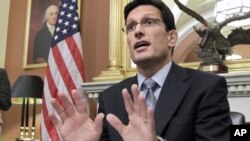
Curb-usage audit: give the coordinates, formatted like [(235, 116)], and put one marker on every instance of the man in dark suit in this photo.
[(187, 105), (192, 106), (5, 98)]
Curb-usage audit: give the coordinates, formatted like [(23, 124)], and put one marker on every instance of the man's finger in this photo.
[(67, 104), (59, 109), (81, 101), (116, 123), (129, 105), (135, 94), (143, 106), (99, 121), (55, 120), (150, 119)]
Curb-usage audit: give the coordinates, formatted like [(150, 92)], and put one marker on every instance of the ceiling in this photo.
[(187, 40), (185, 23), (205, 8)]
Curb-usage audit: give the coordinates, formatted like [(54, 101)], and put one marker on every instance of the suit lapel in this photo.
[(172, 93), (128, 85)]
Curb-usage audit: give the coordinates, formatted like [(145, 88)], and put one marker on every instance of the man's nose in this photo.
[(139, 28), (139, 31)]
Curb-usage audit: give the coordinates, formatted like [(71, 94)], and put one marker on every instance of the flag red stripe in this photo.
[(51, 83), (53, 91), (65, 74), (49, 125), (77, 55)]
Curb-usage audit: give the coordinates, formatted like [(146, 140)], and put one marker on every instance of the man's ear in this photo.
[(173, 35)]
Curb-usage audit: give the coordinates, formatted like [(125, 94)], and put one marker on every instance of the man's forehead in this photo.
[(143, 11)]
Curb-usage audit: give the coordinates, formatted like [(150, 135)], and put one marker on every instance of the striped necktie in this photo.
[(150, 85)]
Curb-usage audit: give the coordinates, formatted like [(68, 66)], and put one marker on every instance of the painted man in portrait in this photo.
[(43, 37)]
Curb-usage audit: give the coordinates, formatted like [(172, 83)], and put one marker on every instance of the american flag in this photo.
[(65, 70)]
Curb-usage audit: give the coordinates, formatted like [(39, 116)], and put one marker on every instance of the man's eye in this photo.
[(149, 22), (131, 27)]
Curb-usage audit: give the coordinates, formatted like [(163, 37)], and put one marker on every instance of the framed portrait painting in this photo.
[(41, 18)]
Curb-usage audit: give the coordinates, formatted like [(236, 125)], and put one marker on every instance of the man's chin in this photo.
[(142, 61)]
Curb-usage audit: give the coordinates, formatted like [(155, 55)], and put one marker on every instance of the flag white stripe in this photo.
[(57, 77), (70, 63), (78, 40)]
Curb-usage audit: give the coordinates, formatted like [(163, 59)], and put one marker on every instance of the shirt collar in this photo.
[(49, 25), (159, 77)]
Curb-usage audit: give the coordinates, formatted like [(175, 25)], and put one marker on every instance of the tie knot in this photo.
[(149, 83)]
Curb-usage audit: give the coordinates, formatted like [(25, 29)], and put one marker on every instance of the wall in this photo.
[(240, 104), (94, 27), (4, 16)]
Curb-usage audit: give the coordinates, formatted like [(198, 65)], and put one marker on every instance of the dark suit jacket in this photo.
[(192, 106), (5, 98), (42, 44)]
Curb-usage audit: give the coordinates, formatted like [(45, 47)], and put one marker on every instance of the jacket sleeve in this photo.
[(213, 118), (5, 91), (105, 133)]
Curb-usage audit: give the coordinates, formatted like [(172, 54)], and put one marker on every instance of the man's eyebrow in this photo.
[(147, 16), (130, 20)]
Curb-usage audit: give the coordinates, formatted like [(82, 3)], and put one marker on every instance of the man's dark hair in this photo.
[(166, 14)]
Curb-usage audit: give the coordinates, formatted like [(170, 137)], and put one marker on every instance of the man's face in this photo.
[(149, 42), (52, 15)]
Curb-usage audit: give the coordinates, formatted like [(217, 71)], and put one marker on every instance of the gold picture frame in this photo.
[(34, 22)]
